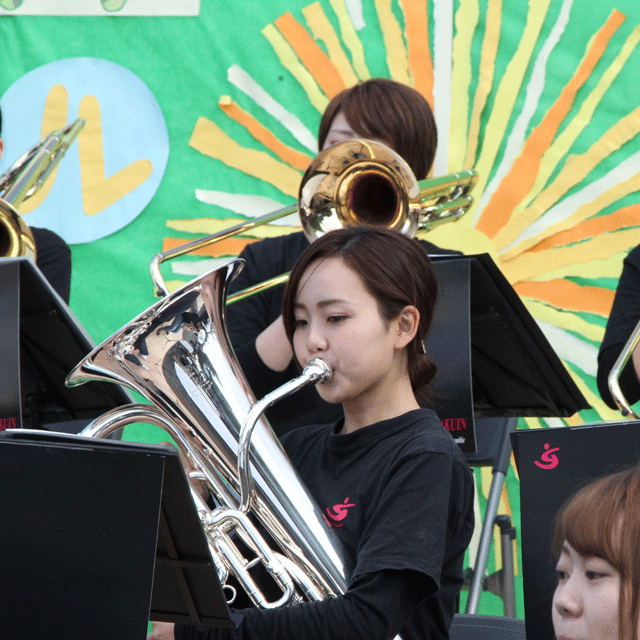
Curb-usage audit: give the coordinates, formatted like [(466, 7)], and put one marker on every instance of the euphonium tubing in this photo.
[(350, 183), (178, 356)]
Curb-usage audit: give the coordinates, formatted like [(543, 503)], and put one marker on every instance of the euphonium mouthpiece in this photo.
[(317, 371)]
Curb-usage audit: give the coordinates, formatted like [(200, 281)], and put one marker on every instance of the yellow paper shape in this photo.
[(53, 118), (289, 61), (321, 29), (351, 39), (466, 21), (393, 42), (209, 139), (262, 134), (485, 77), (98, 191)]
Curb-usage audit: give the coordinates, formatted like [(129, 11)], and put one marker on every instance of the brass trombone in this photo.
[(349, 183), (21, 180)]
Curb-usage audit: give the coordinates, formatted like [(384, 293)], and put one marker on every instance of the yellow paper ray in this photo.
[(507, 93), (393, 42), (289, 61), (606, 268), (532, 423), (262, 134), (560, 147), (575, 420), (98, 191), (351, 39), (208, 226), (565, 320), (416, 26), (321, 29), (485, 79), (466, 21), (54, 117), (532, 263), (209, 139), (574, 171)]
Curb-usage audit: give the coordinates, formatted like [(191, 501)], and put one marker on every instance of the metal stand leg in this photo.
[(485, 542)]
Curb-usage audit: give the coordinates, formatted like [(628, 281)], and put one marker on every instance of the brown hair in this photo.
[(394, 268), (391, 112), (603, 520)]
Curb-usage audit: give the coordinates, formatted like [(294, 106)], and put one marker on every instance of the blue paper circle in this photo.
[(133, 128)]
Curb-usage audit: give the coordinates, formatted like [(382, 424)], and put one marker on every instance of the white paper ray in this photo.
[(625, 170), (578, 352), (442, 77), (535, 87), (246, 205), (554, 423), (243, 81), (354, 9)]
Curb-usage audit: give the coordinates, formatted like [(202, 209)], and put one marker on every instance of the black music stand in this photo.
[(552, 465), (42, 342), (493, 361), (83, 524)]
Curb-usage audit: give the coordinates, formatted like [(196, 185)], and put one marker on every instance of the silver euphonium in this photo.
[(178, 356)]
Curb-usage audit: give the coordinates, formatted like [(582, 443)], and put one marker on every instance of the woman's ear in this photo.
[(407, 323)]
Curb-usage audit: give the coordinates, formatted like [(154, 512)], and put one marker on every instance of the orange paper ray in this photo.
[(521, 178), (620, 219), (311, 55), (321, 29), (568, 295), (228, 247), (418, 51), (263, 135)]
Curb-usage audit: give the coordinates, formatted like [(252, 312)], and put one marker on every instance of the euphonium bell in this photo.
[(178, 356)]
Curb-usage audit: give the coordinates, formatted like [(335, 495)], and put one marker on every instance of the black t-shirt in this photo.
[(624, 316), (53, 258), (245, 321), (399, 495)]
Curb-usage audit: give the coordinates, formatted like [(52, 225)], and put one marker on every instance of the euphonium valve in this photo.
[(178, 356)]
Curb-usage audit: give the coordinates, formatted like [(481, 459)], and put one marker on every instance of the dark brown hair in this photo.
[(391, 112), (396, 271), (603, 520)]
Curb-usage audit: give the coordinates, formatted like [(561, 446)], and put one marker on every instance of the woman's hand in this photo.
[(162, 631)]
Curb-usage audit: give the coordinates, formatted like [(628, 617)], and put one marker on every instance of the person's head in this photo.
[(388, 111), (596, 538), (374, 285)]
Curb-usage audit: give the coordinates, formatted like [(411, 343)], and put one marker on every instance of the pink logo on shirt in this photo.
[(338, 513), (550, 459)]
